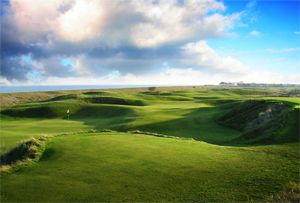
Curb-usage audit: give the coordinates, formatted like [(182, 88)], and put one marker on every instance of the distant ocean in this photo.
[(9, 89)]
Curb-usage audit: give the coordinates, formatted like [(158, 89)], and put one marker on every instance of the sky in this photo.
[(157, 42)]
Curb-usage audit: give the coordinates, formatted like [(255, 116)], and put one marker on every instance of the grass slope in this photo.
[(263, 121), (129, 167)]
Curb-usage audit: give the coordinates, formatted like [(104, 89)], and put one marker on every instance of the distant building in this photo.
[(242, 84)]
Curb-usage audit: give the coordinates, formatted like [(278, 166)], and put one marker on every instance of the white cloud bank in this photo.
[(120, 42), (200, 55), (141, 23)]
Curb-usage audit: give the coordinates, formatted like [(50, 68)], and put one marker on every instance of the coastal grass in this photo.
[(166, 145)]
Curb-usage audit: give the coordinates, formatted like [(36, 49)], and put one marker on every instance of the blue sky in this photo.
[(149, 42), (278, 24)]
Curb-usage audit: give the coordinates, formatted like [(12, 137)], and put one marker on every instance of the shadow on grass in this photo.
[(199, 124), (48, 154), (105, 117)]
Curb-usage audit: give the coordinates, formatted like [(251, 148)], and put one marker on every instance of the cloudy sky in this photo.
[(167, 42)]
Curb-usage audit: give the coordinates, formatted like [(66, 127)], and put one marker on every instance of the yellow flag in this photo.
[(68, 111)]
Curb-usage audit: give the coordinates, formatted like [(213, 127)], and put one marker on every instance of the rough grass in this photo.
[(27, 150), (260, 121), (290, 193)]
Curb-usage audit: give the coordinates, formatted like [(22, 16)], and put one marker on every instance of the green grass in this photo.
[(216, 164), (263, 121), (14, 131), (127, 167)]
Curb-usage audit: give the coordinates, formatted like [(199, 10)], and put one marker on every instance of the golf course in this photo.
[(157, 144)]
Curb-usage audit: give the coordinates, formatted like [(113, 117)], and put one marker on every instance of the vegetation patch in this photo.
[(85, 162), (219, 101), (205, 98), (95, 93), (291, 193), (31, 149), (63, 97), (115, 100), (96, 111), (157, 134), (31, 112), (258, 120), (151, 92), (292, 93), (49, 110)]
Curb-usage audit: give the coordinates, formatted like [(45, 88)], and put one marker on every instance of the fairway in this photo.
[(175, 144)]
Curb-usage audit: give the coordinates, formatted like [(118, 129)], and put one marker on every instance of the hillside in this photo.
[(167, 144), (264, 122)]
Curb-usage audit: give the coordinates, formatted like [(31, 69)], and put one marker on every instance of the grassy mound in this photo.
[(260, 121), (63, 97), (59, 110), (29, 149), (115, 100), (96, 111), (47, 110), (32, 112)]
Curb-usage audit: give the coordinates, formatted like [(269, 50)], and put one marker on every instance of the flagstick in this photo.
[(68, 112)]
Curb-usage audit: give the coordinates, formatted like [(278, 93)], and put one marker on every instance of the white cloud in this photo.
[(124, 42), (167, 22), (83, 21), (297, 33), (33, 18), (201, 56), (141, 23), (255, 33), (4, 81), (196, 55)]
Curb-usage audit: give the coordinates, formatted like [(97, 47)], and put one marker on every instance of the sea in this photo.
[(41, 88)]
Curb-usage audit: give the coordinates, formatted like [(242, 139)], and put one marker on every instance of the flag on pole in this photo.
[(68, 111)]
